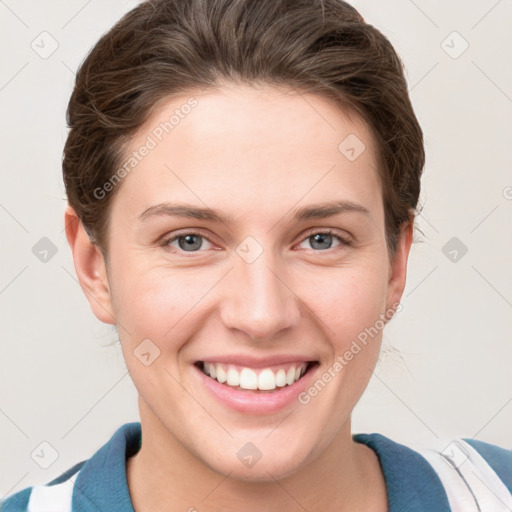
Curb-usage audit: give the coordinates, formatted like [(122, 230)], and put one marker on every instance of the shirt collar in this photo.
[(411, 482), (101, 484)]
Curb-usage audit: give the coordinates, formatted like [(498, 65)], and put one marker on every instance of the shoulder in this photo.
[(500, 459), (427, 475), (58, 490), (100, 480), (411, 482)]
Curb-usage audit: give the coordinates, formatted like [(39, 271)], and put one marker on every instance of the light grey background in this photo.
[(445, 369)]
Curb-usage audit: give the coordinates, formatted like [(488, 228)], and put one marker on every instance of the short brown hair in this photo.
[(167, 47)]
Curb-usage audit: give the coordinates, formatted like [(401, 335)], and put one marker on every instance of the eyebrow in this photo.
[(315, 211)]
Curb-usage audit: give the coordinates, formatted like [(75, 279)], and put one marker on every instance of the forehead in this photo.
[(240, 148)]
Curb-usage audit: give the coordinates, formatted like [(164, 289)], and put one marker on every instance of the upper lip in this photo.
[(258, 362)]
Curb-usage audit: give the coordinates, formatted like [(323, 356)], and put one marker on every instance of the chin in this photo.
[(261, 472), (249, 464)]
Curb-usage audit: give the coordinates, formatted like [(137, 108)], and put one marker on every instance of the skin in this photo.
[(257, 155)]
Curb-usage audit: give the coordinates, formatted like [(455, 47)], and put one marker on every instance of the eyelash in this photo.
[(343, 241)]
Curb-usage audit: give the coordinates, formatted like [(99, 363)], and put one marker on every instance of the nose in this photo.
[(258, 300)]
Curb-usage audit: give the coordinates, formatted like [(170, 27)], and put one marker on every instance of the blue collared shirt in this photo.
[(412, 485)]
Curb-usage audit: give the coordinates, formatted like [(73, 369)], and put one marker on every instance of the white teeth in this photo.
[(221, 374), (281, 378), (248, 378), (233, 378), (267, 380)]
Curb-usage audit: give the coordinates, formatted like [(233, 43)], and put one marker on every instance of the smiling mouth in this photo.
[(264, 380)]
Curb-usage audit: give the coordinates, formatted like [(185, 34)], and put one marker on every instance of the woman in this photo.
[(242, 179)]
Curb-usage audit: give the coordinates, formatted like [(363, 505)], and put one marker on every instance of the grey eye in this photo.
[(189, 242), (321, 240)]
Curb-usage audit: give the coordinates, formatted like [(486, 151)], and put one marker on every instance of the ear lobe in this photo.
[(90, 267), (398, 267)]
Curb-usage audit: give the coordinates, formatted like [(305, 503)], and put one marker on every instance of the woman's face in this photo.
[(258, 289)]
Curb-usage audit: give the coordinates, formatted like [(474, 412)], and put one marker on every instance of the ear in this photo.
[(398, 267), (90, 267)]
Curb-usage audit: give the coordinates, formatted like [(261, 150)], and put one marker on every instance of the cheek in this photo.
[(156, 303), (345, 301), (168, 304)]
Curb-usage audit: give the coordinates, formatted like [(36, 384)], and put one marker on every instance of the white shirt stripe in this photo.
[(52, 498), (471, 485)]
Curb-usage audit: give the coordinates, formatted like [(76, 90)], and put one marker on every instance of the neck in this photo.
[(165, 476)]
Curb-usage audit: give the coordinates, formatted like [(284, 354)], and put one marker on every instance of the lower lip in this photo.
[(251, 402)]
